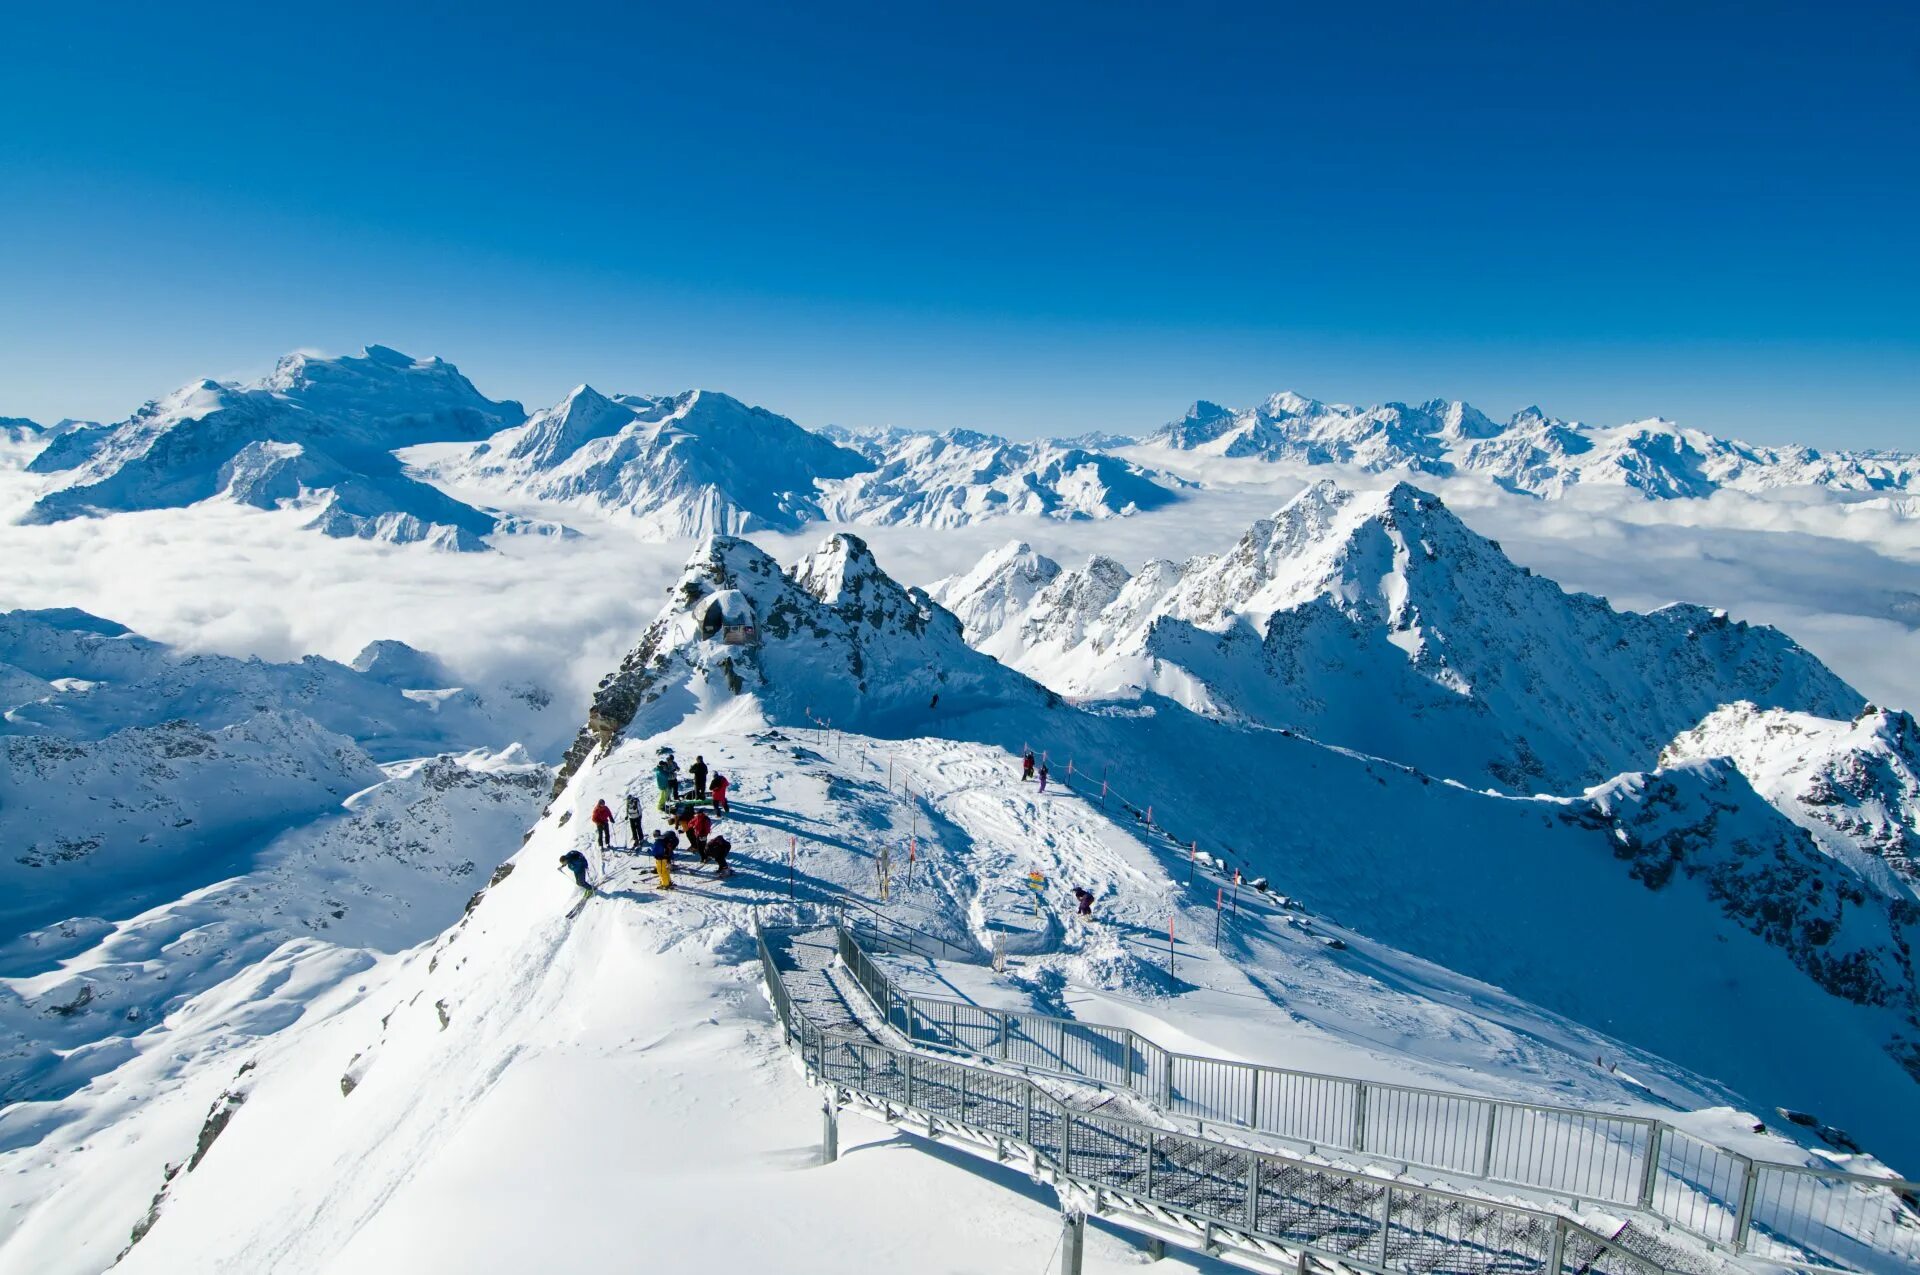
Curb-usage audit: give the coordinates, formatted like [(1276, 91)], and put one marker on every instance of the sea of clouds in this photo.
[(1843, 577)]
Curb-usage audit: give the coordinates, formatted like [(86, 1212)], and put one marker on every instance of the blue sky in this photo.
[(1029, 219)]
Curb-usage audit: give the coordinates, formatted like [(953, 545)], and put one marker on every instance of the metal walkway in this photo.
[(1797, 1216), (1263, 1210)]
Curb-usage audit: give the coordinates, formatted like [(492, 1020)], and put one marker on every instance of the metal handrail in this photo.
[(1341, 1217), (1707, 1190)]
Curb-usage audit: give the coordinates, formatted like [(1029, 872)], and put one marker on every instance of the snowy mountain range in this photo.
[(1378, 621), (319, 436), (1531, 452), (959, 477)]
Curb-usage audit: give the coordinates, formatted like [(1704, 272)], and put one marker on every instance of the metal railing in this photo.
[(1790, 1214), (1229, 1194)]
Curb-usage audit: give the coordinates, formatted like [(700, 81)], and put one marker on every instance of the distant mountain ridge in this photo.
[(1530, 453)]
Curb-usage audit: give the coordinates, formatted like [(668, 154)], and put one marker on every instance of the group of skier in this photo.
[(685, 816)]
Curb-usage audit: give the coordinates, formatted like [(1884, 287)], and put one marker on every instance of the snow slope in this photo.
[(317, 434), (1531, 452), (1378, 621), (426, 1110)]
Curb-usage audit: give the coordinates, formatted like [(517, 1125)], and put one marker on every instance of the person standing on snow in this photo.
[(666, 780), (636, 835), (575, 862), (720, 795), (1083, 897), (1026, 766), (717, 850), (699, 772), (699, 828), (663, 859), (1043, 776), (603, 824)]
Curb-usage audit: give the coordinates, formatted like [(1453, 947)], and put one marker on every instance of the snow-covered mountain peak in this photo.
[(998, 587), (833, 638), (1379, 621), (383, 387)]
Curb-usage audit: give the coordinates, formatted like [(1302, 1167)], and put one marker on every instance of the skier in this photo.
[(1043, 776), (718, 849), (576, 863), (699, 772), (603, 824), (699, 828), (663, 858), (1084, 898), (636, 835), (719, 790), (1026, 766)]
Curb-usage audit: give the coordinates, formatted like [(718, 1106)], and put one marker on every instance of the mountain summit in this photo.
[(1379, 621)]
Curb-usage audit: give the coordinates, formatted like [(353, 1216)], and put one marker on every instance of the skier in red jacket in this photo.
[(719, 791), (603, 824)]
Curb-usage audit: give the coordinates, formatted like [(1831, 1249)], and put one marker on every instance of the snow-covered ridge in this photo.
[(1854, 786), (1380, 622), (1531, 452)]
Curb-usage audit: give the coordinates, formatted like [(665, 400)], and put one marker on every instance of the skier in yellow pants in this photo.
[(663, 846)]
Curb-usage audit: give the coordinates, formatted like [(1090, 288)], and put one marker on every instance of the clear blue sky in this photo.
[(1021, 217)]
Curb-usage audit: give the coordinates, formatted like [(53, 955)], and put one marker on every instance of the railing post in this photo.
[(1486, 1147), (1359, 1115), (830, 1127), (1026, 1116), (1073, 1240), (1745, 1218), (1006, 1030), (1253, 1114), (1386, 1222), (1253, 1192), (908, 1100), (1557, 1252), (1650, 1179)]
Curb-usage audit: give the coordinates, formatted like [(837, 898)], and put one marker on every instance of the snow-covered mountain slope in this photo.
[(694, 464), (1378, 621), (317, 433), (70, 674), (133, 815), (1703, 821), (1853, 785), (1531, 452), (959, 477), (443, 1083), (385, 870), (18, 431)]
